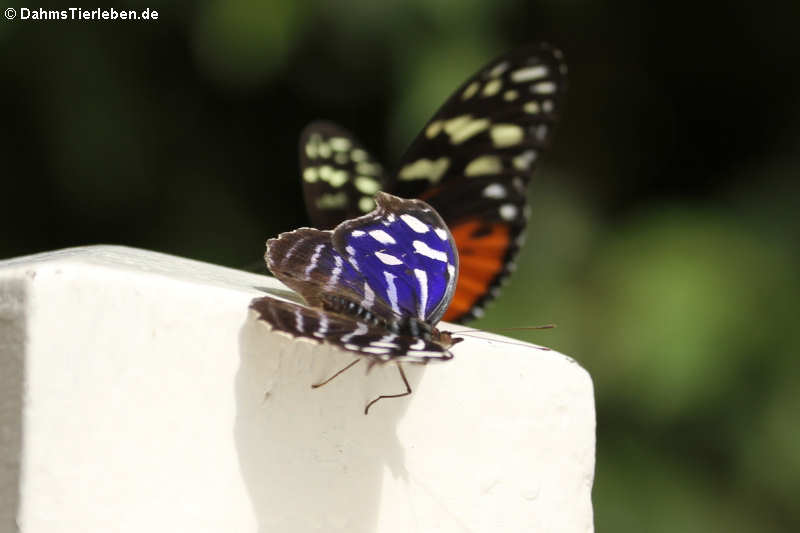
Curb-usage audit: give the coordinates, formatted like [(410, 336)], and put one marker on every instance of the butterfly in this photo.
[(472, 162), (376, 285)]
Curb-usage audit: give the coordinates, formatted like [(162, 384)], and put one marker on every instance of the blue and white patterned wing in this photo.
[(358, 337), (305, 261), (405, 253)]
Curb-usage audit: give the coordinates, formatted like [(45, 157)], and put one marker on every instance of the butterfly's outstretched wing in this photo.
[(473, 160), (406, 253), (347, 333), (340, 178)]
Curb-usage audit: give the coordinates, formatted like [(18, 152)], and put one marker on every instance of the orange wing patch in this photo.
[(482, 251)]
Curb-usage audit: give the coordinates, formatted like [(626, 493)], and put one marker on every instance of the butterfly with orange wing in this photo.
[(472, 162)]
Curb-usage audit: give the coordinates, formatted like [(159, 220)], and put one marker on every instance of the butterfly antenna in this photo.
[(318, 385), (506, 342), (406, 393), (519, 328)]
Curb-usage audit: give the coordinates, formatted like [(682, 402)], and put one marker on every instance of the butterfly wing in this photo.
[(396, 262), (306, 261), (474, 159), (347, 333), (340, 178), (406, 254)]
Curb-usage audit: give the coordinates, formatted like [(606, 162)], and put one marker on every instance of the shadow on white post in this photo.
[(139, 393)]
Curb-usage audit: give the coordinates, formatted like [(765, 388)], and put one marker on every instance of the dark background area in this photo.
[(664, 236)]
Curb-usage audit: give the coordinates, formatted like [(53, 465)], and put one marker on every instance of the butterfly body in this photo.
[(472, 163)]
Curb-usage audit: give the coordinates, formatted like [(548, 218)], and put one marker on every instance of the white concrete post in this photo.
[(139, 393)]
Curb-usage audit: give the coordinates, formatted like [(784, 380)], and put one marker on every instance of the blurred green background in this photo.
[(664, 237)]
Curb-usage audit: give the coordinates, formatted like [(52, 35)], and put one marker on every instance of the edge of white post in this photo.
[(141, 394)]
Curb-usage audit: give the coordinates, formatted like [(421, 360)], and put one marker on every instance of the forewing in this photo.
[(339, 176), (495, 124), (406, 254), (474, 159), (349, 334)]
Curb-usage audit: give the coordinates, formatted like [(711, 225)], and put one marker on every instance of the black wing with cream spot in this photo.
[(474, 159), (494, 125), (339, 176), (360, 338)]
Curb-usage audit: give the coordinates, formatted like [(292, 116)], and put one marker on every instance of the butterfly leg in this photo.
[(318, 385), (406, 393)]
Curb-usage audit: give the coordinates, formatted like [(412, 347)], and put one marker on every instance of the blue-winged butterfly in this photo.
[(376, 285), (472, 162)]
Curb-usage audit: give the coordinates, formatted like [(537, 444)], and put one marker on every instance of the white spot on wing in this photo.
[(361, 329), (369, 296), (374, 349), (391, 291), (340, 144), (422, 278), (485, 164), (441, 233), (351, 252), (366, 185), (529, 73), (524, 160), (423, 249), (508, 211), (312, 264), (414, 223), (365, 167), (357, 233), (331, 200), (463, 127), (335, 273), (540, 132), (504, 135), (531, 107), (323, 326), (382, 237), (498, 69), (366, 204), (470, 91), (544, 87), (425, 169), (324, 150), (388, 259), (386, 341), (495, 191), (433, 129), (310, 174), (492, 88)]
